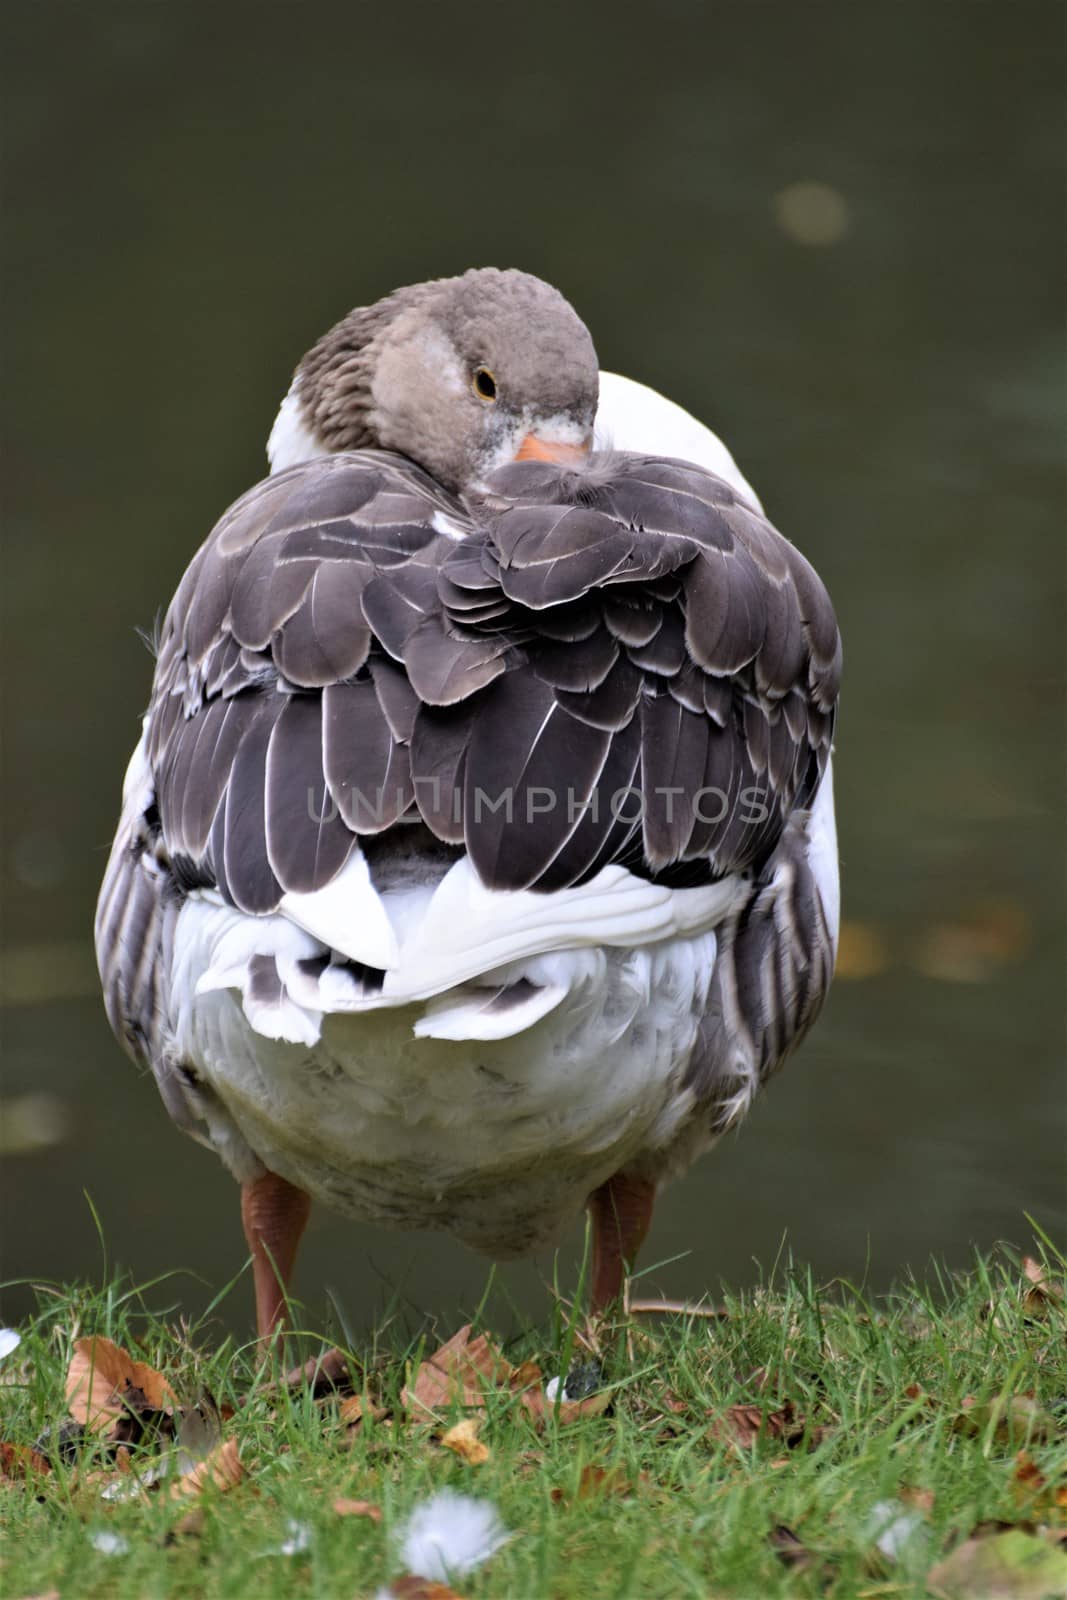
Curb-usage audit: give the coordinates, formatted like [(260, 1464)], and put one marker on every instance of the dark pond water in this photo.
[(193, 193)]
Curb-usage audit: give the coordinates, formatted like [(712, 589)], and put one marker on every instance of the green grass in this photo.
[(904, 1393)]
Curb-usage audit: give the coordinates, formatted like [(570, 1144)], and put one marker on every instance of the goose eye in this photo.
[(484, 384)]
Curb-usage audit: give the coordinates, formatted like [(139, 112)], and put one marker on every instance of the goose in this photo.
[(477, 861)]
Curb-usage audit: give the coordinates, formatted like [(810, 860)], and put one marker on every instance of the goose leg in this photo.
[(274, 1213), (621, 1210)]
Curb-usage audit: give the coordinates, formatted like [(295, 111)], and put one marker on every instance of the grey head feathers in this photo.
[(460, 375)]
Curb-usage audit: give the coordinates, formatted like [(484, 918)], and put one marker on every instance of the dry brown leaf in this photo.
[(463, 1368), (525, 1376), (541, 1410), (1035, 1495), (1013, 1420), (789, 1548), (410, 1587), (357, 1508), (743, 1425), (18, 1461), (457, 1373), (221, 1469), (463, 1440), (357, 1409), (1042, 1293), (106, 1385), (600, 1483)]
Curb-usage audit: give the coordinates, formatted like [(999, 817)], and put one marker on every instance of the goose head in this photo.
[(461, 375)]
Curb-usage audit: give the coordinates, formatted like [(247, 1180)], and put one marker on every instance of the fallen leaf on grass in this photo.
[(465, 1368), (1035, 1495), (19, 1461), (743, 1425), (357, 1508), (1008, 1566), (464, 1442), (356, 1409), (600, 1483), (526, 1376), (1042, 1293), (459, 1372), (1016, 1418), (789, 1548), (221, 1469), (106, 1387), (542, 1409)]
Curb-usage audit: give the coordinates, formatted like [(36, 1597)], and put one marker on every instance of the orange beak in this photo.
[(534, 449)]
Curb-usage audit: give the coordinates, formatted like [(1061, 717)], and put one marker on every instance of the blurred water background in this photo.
[(833, 231)]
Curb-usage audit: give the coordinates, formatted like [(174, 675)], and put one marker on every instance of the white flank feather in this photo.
[(822, 852)]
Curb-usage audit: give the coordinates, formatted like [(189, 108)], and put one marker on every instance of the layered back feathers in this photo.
[(353, 649)]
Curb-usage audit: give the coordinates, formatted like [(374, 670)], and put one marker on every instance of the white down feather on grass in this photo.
[(448, 1536)]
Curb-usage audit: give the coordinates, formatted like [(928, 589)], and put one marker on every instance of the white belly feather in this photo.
[(520, 1049), (499, 1140)]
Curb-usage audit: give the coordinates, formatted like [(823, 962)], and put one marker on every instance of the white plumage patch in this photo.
[(291, 440), (490, 963), (466, 929), (449, 1535), (631, 416)]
